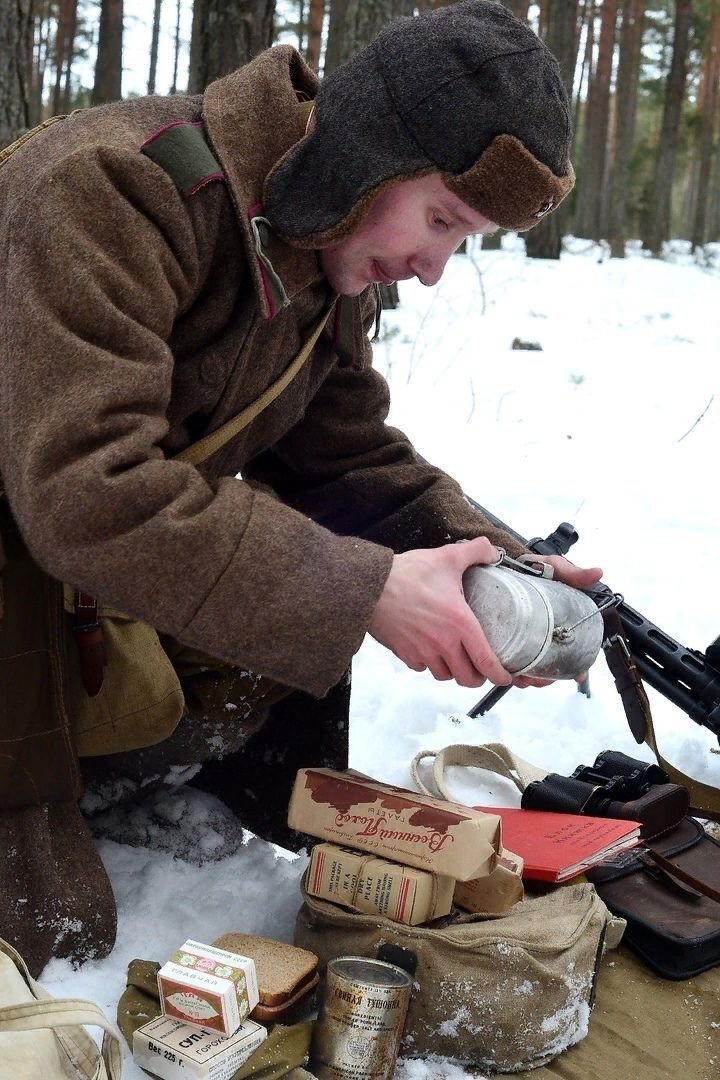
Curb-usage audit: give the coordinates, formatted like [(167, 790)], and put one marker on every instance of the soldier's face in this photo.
[(411, 230)]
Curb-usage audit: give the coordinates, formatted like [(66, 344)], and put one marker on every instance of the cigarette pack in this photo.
[(208, 987), (173, 1050), (366, 883), (496, 893), (352, 810)]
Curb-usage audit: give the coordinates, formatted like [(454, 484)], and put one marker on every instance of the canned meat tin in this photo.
[(358, 1031)]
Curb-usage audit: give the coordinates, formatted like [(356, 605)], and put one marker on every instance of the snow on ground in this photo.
[(612, 424)]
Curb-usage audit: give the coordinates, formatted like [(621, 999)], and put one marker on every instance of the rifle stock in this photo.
[(688, 678)]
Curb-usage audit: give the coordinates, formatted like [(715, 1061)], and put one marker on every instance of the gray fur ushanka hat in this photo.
[(467, 90)]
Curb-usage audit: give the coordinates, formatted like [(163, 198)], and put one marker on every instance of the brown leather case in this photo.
[(673, 922)]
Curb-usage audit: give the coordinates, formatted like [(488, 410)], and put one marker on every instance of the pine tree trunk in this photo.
[(66, 99), (15, 52), (626, 91), (519, 9), (176, 47), (152, 74), (658, 194), (108, 67), (592, 175), (561, 37), (225, 35), (63, 51), (586, 21), (707, 110), (354, 23), (714, 207), (316, 17), (40, 52)]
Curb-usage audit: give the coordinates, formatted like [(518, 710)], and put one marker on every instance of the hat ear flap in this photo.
[(510, 186)]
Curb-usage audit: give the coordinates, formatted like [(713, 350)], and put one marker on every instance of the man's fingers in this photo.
[(481, 656), (474, 553), (523, 681), (439, 670), (570, 574)]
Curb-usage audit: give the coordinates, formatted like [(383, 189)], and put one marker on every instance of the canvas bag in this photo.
[(42, 1038), (667, 890), (500, 994)]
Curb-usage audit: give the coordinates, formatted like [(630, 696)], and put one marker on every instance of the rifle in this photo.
[(688, 678)]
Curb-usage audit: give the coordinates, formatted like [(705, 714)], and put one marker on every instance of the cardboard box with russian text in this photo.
[(352, 810), (366, 883), (496, 893), (172, 1050), (211, 988)]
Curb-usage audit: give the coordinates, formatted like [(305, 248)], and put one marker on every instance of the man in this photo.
[(165, 261)]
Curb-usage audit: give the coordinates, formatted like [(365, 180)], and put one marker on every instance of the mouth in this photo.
[(380, 275)]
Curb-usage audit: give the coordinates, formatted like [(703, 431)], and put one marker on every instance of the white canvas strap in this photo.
[(66, 1018), (493, 757)]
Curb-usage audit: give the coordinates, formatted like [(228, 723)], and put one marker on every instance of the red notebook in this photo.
[(555, 846)]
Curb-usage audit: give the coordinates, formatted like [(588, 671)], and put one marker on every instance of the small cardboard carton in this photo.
[(496, 893), (173, 1050), (208, 987), (352, 810), (366, 883)]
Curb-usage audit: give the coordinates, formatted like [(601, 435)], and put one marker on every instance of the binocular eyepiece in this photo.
[(620, 776)]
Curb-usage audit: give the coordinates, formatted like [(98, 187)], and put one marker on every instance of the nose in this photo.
[(428, 264)]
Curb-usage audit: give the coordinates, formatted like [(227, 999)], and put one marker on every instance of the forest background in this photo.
[(643, 76)]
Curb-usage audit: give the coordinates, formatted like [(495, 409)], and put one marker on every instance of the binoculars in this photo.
[(615, 786)]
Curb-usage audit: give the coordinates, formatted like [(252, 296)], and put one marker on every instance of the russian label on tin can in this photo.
[(358, 1031)]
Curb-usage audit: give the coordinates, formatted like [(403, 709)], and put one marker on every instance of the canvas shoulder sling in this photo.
[(125, 693)]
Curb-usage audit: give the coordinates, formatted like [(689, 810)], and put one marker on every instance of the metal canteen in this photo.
[(535, 625)]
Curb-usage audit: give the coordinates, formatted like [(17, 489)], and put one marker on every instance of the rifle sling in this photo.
[(628, 682), (704, 799)]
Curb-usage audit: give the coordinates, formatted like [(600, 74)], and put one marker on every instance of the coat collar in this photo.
[(252, 118)]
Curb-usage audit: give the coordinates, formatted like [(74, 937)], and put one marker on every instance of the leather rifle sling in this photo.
[(704, 799)]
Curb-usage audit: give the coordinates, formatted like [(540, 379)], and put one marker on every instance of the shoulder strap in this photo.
[(204, 448), (182, 151), (8, 151)]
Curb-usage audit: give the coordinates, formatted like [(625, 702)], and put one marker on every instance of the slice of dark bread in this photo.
[(282, 970), (268, 1014)]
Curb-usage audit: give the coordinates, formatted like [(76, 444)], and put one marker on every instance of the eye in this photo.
[(441, 222)]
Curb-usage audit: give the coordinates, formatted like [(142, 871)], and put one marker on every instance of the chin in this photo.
[(346, 286)]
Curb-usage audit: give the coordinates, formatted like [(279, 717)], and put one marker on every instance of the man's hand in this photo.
[(569, 573), (422, 616)]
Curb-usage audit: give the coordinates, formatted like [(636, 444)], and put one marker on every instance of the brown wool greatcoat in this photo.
[(133, 321)]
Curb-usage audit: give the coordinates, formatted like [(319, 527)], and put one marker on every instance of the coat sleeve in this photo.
[(99, 260), (347, 468)]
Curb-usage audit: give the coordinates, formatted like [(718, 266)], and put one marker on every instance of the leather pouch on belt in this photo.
[(38, 763), (140, 700)]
